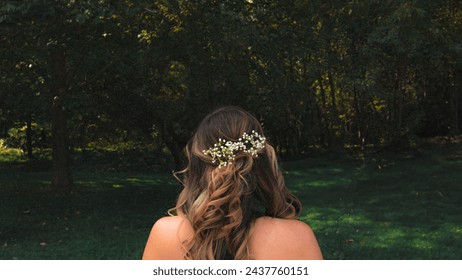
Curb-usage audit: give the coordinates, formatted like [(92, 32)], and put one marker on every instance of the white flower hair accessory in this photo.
[(225, 151)]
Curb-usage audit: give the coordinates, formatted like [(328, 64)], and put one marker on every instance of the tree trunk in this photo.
[(29, 136), (61, 172), (456, 100), (325, 130), (359, 109), (333, 111), (174, 145), (61, 178)]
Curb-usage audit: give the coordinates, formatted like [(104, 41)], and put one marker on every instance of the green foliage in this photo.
[(3, 146), (17, 136), (317, 74)]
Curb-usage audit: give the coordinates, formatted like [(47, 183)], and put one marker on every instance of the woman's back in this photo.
[(271, 238), (231, 179)]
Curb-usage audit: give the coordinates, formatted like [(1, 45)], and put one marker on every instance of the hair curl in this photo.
[(223, 203)]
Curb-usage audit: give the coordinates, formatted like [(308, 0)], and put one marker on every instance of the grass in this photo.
[(384, 206), (108, 217), (402, 207)]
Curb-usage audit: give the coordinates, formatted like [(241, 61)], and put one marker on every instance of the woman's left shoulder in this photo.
[(291, 227), (167, 237), (275, 238)]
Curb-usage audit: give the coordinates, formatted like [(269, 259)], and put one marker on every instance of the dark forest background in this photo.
[(78, 76)]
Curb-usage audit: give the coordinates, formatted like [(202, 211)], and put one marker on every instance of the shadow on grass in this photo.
[(108, 217), (409, 210)]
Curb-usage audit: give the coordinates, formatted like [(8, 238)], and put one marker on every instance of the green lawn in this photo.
[(384, 206), (403, 207)]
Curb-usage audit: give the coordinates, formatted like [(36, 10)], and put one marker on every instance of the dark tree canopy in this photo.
[(83, 74)]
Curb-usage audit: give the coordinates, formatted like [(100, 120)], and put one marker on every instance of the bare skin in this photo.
[(271, 239)]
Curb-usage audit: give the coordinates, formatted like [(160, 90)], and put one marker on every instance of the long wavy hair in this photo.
[(222, 203)]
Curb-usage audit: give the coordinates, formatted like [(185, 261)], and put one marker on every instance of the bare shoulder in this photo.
[(280, 239), (166, 238), (270, 239)]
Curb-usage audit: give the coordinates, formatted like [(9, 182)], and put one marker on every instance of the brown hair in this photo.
[(223, 203)]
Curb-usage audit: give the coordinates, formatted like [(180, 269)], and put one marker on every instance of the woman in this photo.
[(234, 204)]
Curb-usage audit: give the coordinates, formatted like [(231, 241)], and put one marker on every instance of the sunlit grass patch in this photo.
[(408, 210), (122, 180)]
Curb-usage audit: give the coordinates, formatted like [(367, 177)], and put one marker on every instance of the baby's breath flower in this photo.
[(225, 151)]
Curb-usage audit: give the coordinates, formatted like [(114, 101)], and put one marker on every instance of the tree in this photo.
[(318, 74), (58, 35)]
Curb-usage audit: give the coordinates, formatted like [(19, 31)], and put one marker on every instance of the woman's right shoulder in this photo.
[(280, 239), (173, 223), (166, 238)]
